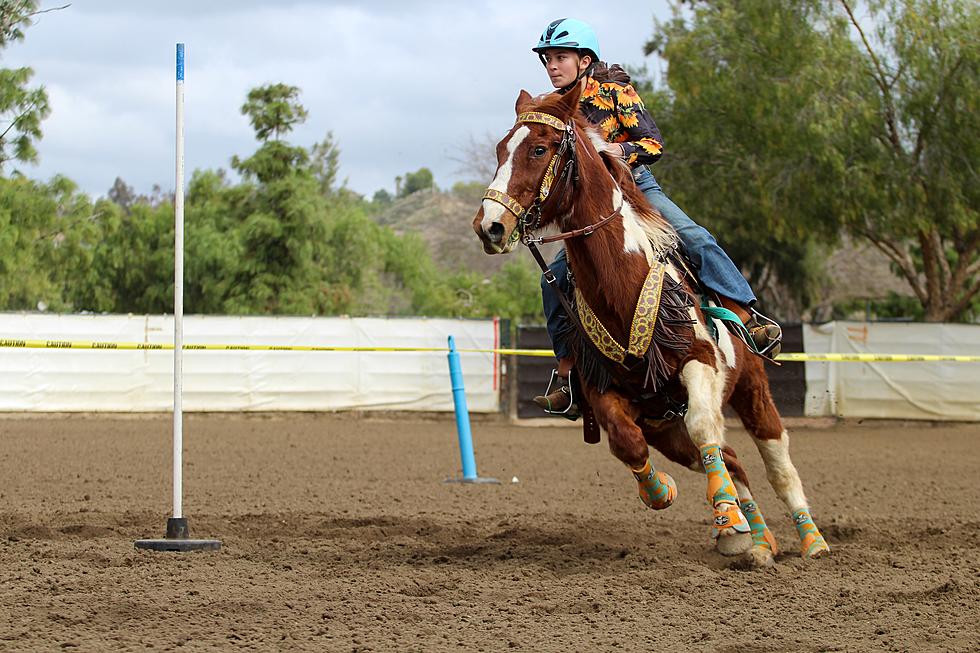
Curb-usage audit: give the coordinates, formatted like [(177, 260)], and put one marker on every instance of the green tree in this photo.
[(421, 179), (214, 245), (273, 110), (325, 163), (912, 186), (785, 124), (754, 97), (132, 262), (22, 107), (29, 237), (280, 212), (382, 198), (513, 293), (122, 194)]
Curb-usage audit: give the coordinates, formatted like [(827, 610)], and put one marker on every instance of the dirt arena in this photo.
[(340, 535)]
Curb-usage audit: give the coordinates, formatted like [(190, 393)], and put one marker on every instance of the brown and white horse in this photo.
[(551, 176)]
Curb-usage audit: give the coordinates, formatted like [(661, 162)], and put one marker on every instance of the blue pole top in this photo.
[(452, 343), (180, 62)]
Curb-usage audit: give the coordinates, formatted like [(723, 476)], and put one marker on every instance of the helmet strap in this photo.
[(585, 73)]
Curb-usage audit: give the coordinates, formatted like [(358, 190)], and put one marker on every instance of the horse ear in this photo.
[(523, 100), (569, 101)]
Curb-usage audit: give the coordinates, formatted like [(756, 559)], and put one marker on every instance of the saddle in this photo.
[(661, 323)]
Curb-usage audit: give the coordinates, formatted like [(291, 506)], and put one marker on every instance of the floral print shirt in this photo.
[(617, 110)]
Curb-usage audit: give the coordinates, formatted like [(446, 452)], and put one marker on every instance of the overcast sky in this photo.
[(400, 83)]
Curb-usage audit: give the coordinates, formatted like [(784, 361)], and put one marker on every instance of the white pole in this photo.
[(178, 535), (179, 289)]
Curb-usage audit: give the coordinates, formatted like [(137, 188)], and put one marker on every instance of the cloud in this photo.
[(401, 85)]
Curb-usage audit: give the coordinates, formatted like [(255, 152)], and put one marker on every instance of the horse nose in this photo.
[(496, 232)]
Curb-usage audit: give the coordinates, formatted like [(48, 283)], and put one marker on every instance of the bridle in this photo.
[(528, 219)]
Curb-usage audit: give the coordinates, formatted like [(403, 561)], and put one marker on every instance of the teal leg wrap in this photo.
[(651, 486), (720, 486), (657, 490), (761, 536), (812, 542), (721, 490)]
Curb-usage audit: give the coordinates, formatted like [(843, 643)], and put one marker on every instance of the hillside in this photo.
[(444, 221), (854, 271)]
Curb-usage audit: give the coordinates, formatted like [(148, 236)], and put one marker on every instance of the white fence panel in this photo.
[(909, 390), (52, 380)]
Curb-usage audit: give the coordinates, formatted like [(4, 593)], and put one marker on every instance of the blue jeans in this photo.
[(713, 266)]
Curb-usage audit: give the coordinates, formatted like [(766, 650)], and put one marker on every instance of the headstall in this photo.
[(529, 218)]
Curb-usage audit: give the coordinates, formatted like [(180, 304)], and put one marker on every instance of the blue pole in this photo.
[(462, 413)]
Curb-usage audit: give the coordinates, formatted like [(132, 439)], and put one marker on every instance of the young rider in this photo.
[(569, 50)]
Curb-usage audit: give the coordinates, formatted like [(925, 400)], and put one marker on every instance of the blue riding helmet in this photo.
[(569, 33)]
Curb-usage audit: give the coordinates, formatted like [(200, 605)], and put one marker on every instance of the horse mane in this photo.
[(672, 331), (661, 235), (659, 232)]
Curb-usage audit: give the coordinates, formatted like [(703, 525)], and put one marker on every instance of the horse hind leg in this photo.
[(706, 428), (754, 405), (764, 546), (785, 480)]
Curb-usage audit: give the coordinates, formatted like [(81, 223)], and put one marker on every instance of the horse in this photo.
[(666, 387)]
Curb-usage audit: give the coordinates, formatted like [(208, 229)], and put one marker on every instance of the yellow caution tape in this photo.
[(877, 358), (153, 346)]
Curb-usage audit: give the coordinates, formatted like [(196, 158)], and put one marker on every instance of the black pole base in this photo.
[(178, 539), (177, 529)]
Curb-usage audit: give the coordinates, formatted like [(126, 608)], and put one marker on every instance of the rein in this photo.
[(575, 233), (529, 218)]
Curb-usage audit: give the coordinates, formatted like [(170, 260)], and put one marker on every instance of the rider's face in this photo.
[(564, 66)]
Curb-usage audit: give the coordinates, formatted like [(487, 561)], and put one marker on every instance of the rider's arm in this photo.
[(640, 138)]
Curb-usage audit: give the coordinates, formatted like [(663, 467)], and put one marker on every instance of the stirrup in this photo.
[(571, 411), (773, 348)]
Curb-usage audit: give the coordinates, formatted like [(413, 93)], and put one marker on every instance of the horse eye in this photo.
[(539, 150)]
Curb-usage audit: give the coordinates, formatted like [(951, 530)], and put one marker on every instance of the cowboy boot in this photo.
[(559, 401), (765, 333)]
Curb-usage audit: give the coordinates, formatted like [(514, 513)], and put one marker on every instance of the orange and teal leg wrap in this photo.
[(761, 535), (812, 542), (657, 489), (721, 490)]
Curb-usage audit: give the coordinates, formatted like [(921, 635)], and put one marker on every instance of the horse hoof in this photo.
[(757, 557), (761, 557), (733, 544), (816, 548), (660, 494)]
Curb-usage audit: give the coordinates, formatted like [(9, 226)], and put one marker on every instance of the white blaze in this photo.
[(493, 211)]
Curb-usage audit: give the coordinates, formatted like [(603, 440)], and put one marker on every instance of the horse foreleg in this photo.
[(763, 542), (754, 405), (675, 444), (764, 546), (706, 428), (626, 442)]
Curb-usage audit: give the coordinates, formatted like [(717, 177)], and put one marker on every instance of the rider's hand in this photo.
[(614, 149)]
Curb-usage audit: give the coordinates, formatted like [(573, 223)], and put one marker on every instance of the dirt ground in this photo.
[(339, 534)]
